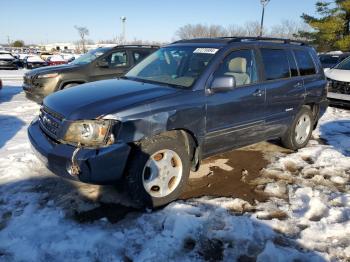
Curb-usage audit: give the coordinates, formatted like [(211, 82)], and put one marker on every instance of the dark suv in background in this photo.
[(330, 60), (185, 102), (101, 63)]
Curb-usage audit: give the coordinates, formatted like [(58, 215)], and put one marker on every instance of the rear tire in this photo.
[(157, 171), (299, 133)]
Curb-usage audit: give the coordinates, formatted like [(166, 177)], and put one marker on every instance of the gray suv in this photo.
[(98, 64)]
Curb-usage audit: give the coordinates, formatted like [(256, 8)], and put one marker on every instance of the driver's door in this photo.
[(236, 118), (112, 65)]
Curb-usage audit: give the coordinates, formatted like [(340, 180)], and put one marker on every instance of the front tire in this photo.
[(158, 171), (299, 133)]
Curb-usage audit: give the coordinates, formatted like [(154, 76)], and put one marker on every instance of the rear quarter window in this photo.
[(305, 62), (139, 55), (276, 63)]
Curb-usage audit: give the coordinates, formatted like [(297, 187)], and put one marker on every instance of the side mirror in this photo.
[(223, 84), (102, 64)]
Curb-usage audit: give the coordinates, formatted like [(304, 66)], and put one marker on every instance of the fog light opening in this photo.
[(74, 169)]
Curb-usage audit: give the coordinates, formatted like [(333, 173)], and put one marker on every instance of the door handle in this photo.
[(298, 85), (259, 92)]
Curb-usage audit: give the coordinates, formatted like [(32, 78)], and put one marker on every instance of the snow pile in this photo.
[(317, 200), (307, 216)]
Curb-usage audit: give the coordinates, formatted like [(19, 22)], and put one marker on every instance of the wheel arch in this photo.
[(189, 139), (191, 143), (315, 108), (68, 82)]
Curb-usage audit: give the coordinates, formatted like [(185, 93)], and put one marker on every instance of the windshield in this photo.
[(344, 65), (90, 56), (177, 66)]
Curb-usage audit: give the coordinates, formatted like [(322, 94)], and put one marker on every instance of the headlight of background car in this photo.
[(51, 75), (90, 133)]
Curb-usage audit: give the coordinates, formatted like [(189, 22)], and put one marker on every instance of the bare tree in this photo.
[(288, 29), (216, 31), (234, 30), (252, 28), (285, 29), (83, 32), (196, 31)]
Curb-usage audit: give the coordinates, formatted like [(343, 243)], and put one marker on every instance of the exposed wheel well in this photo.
[(70, 83), (315, 111), (190, 142), (314, 108)]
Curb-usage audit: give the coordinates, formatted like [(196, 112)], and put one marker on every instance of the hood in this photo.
[(338, 75), (95, 99), (52, 69)]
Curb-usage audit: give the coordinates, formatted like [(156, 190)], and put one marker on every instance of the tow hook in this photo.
[(74, 168)]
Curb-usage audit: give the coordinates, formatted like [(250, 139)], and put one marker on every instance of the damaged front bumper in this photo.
[(95, 166)]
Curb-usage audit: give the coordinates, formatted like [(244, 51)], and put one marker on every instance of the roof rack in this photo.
[(144, 46), (265, 39), (233, 39)]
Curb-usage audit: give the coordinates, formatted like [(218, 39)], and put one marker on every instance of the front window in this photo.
[(176, 66), (90, 56), (241, 65), (345, 65), (116, 59)]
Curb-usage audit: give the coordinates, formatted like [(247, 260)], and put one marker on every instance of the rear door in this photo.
[(236, 118), (313, 77), (284, 88), (115, 64)]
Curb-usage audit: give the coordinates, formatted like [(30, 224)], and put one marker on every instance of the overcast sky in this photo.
[(42, 21)]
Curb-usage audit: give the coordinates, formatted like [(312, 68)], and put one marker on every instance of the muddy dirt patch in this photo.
[(228, 175)]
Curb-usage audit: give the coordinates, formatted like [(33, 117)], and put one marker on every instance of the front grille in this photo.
[(339, 87), (50, 122)]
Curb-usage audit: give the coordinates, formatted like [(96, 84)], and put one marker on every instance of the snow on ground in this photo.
[(307, 217), (12, 75)]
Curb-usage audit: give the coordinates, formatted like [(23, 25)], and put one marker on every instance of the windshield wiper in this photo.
[(124, 77), (156, 82)]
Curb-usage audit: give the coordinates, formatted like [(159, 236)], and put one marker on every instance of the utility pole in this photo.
[(123, 20), (8, 41), (264, 4)]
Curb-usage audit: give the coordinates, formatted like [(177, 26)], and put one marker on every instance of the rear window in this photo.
[(275, 63), (305, 63)]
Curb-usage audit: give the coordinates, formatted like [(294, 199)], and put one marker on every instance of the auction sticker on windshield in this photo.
[(205, 51)]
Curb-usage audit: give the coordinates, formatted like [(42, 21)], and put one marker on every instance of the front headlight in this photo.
[(51, 75), (90, 133)]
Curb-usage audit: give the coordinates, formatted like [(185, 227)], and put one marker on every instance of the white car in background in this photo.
[(339, 83), (33, 61)]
